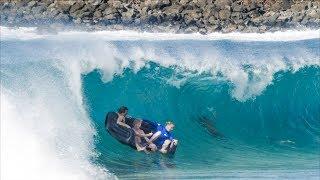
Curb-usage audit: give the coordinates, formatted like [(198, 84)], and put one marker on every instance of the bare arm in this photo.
[(155, 136), (142, 134), (119, 121)]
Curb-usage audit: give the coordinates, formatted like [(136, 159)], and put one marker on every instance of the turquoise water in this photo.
[(242, 109), (277, 130)]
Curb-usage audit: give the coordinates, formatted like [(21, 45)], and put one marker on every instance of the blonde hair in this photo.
[(136, 121), (169, 122)]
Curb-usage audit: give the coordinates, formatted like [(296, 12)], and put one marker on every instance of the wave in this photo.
[(46, 84)]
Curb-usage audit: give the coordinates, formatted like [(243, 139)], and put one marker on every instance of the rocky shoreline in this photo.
[(174, 16)]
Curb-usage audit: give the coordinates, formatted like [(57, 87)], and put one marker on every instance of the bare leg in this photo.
[(153, 147), (164, 146), (137, 142), (174, 142)]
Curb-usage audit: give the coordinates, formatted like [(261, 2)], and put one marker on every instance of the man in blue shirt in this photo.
[(163, 138)]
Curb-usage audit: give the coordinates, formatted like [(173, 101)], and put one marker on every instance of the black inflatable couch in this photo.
[(126, 135)]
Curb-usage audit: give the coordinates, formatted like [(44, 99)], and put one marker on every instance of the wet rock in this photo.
[(203, 31), (38, 9), (191, 29), (62, 17), (229, 28), (127, 16)]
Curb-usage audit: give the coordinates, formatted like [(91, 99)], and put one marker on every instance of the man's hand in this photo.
[(149, 134)]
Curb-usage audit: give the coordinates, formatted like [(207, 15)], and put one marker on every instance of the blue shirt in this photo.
[(163, 136)]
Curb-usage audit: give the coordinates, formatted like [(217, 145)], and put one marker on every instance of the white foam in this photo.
[(24, 33), (44, 133)]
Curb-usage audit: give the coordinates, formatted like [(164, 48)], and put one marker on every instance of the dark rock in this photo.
[(285, 16), (127, 16), (237, 7), (65, 7), (172, 12), (191, 29), (297, 17), (75, 7), (299, 7), (202, 16), (62, 17), (250, 29), (213, 20), (52, 12), (97, 14), (154, 4), (313, 13), (115, 4), (262, 29), (184, 2), (257, 21), (38, 9), (270, 18), (229, 28), (191, 16), (223, 4), (102, 7), (48, 2), (203, 31), (95, 2), (32, 3), (200, 3), (224, 14)]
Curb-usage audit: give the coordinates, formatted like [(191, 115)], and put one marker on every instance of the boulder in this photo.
[(64, 6), (97, 14), (223, 4), (224, 14), (127, 16), (155, 4), (313, 13), (270, 18), (76, 6), (190, 16), (184, 2), (237, 7), (191, 29), (229, 28)]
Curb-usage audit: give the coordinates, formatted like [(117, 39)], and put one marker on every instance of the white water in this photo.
[(45, 131), (290, 35)]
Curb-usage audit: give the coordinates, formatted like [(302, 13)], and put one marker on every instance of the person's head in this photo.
[(123, 110), (137, 123), (169, 126)]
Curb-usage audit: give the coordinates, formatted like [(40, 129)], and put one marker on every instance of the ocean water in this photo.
[(245, 105)]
